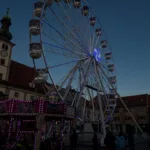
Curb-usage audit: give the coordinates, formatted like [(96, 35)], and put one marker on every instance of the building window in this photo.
[(16, 94), (142, 117), (3, 46), (116, 119), (128, 118), (2, 61), (6, 47), (116, 111), (125, 110), (1, 76)]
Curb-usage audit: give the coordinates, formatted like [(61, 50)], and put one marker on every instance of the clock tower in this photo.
[(5, 46)]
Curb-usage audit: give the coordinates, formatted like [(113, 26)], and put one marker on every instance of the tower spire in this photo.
[(7, 12), (5, 24)]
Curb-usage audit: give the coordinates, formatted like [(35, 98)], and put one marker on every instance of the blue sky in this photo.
[(127, 24)]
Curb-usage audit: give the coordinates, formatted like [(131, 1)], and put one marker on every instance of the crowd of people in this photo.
[(67, 141), (114, 141), (61, 142)]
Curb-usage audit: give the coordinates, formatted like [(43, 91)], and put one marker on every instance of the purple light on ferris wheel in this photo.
[(96, 54)]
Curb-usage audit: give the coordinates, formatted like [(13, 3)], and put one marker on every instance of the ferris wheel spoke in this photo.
[(66, 63), (57, 31), (77, 66), (66, 77), (62, 48), (65, 55), (92, 43), (68, 30), (83, 45), (68, 44), (95, 45)]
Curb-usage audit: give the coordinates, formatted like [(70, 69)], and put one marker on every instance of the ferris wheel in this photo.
[(70, 51)]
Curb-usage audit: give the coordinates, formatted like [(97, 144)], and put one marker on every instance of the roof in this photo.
[(130, 101), (135, 100), (20, 76), (4, 39)]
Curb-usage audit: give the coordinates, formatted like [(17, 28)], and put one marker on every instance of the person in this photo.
[(109, 141), (131, 143), (95, 142), (126, 141), (120, 141), (59, 143), (54, 140), (2, 139), (65, 140), (73, 140)]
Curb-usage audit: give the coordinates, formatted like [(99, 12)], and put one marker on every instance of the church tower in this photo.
[(5, 46)]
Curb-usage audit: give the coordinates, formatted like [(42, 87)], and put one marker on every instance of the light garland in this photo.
[(61, 130), (24, 132), (9, 130), (35, 141), (11, 106), (39, 111), (18, 130)]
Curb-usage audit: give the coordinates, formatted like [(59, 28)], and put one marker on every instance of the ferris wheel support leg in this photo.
[(84, 110), (122, 101), (103, 89), (93, 108), (100, 105), (85, 103), (82, 87)]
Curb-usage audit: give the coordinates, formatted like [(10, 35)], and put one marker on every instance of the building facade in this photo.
[(15, 78), (139, 106)]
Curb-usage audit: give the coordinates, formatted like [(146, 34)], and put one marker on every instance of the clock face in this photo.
[(4, 53)]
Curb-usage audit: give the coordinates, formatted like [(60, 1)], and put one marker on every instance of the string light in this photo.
[(9, 130), (35, 138), (18, 124)]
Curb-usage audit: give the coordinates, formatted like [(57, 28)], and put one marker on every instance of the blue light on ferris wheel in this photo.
[(97, 54)]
